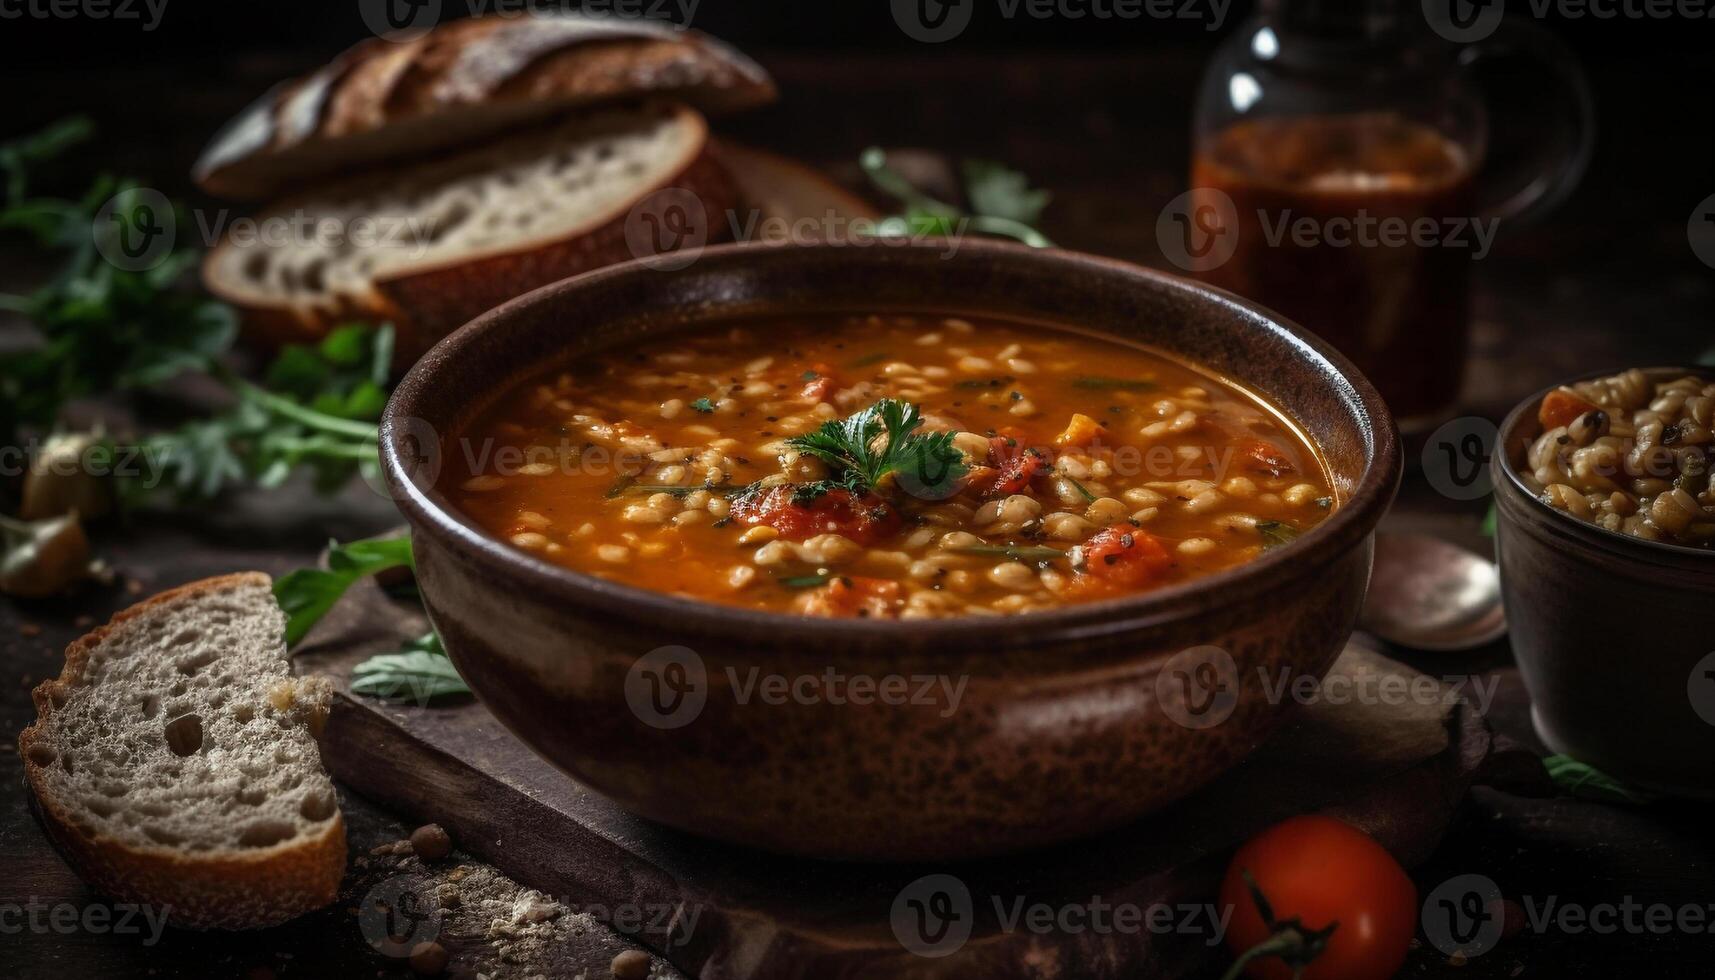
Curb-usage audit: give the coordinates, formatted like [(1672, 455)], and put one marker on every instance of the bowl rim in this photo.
[(1525, 411), (429, 511)]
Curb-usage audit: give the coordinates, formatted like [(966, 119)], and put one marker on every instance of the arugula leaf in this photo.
[(1586, 783), (1276, 533), (307, 594), (421, 672), (882, 440), (1001, 192), (924, 215)]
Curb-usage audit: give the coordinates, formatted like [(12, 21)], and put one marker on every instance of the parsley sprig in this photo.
[(1002, 202), (879, 441)]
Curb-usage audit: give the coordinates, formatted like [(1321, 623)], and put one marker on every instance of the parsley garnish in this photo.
[(882, 440), (703, 405), (1276, 533), (1097, 383)]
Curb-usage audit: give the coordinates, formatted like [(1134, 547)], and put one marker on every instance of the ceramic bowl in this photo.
[(1064, 722), (1612, 633)]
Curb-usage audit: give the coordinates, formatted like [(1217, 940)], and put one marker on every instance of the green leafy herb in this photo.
[(882, 440), (1488, 526), (999, 191), (806, 581), (1583, 782), (421, 672), (809, 376), (1024, 553), (703, 405), (1324, 502), (868, 359), (1092, 382), (307, 594), (1276, 533), (989, 186)]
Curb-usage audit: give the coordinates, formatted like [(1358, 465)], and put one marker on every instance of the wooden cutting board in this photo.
[(718, 911)]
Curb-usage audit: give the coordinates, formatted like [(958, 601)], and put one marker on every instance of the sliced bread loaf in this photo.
[(174, 761), (431, 246)]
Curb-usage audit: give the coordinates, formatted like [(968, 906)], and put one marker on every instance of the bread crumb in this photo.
[(282, 694)]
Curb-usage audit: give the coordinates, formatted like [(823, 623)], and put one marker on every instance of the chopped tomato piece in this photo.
[(863, 519), (821, 387), (848, 595), (1017, 464), (1125, 555), (1561, 407), (1264, 457), (1080, 431)]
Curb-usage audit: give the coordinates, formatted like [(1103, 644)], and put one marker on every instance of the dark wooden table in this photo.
[(1606, 282)]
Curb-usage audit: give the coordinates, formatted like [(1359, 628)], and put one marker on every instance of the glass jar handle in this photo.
[(1534, 187)]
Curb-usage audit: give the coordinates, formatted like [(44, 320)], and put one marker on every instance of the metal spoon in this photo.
[(1430, 595)]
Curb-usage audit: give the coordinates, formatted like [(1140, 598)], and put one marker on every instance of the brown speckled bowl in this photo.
[(1064, 723)]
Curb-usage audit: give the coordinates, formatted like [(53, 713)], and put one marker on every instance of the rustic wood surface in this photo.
[(1608, 281)]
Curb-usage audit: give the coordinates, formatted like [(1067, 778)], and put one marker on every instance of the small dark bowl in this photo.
[(1611, 631), (1061, 729)]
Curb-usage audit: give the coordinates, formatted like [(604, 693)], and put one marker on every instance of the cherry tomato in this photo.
[(1126, 556), (863, 519), (1322, 872)]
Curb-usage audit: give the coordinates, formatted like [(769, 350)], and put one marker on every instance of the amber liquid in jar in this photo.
[(1399, 308)]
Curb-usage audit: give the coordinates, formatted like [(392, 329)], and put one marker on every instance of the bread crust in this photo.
[(427, 303), (248, 891), (462, 81)]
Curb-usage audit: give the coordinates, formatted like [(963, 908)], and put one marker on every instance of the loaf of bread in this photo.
[(174, 761), (428, 248), (460, 83)]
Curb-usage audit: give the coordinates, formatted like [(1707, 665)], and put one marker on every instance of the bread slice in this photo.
[(464, 80), (429, 247), (174, 761)]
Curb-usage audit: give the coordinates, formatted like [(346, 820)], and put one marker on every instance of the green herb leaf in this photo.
[(868, 359), (1023, 553), (1586, 783), (1276, 533), (1088, 496), (421, 672), (882, 440), (307, 594), (1098, 383), (703, 405), (998, 191), (805, 581), (1488, 526)]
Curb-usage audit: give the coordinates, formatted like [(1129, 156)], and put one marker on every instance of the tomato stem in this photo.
[(1289, 939)]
